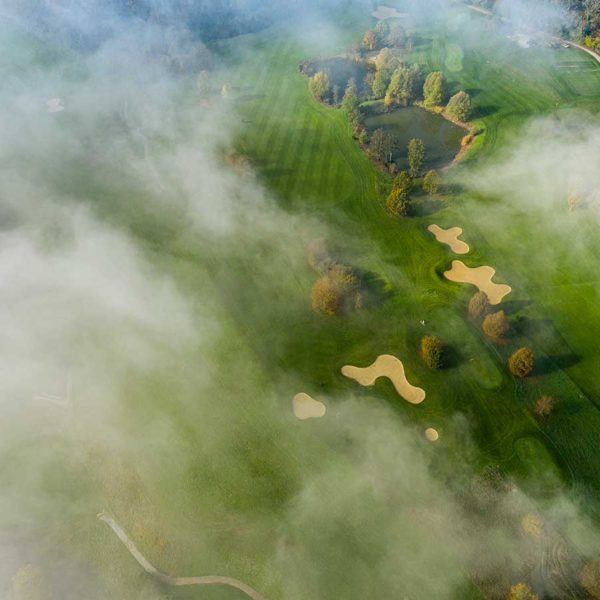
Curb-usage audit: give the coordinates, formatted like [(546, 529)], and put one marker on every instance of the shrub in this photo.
[(544, 406), (433, 90), (459, 106), (432, 351), (479, 305), (398, 203), (431, 182), (521, 591), (589, 577), (521, 363), (496, 325)]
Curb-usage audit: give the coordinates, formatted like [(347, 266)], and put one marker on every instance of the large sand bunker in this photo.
[(387, 12), (450, 238), (306, 407), (388, 366), (480, 277)]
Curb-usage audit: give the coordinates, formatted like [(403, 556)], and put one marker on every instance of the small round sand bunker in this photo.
[(306, 407), (480, 277), (431, 434), (391, 367), (450, 238)]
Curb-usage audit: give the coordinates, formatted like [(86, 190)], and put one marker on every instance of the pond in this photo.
[(441, 137)]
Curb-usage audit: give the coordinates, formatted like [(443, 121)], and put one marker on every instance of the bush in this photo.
[(431, 182), (479, 305), (589, 577), (432, 351), (521, 363), (496, 325), (544, 406), (459, 106)]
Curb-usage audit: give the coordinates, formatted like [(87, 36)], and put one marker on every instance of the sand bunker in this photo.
[(387, 12), (480, 277), (450, 238), (431, 434), (388, 366), (55, 105), (306, 407)]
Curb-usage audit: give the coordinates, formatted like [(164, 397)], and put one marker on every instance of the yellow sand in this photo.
[(431, 434), (450, 238), (387, 12), (388, 366), (306, 407), (480, 277)]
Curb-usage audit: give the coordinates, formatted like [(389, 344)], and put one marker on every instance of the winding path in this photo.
[(168, 579)]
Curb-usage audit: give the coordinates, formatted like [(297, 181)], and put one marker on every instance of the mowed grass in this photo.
[(304, 153)]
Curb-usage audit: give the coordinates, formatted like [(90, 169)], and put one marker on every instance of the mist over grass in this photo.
[(130, 382)]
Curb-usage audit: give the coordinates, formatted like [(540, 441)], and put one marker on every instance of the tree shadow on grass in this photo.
[(426, 205), (511, 307), (452, 357), (474, 91), (484, 111), (550, 364), (375, 287), (276, 172)]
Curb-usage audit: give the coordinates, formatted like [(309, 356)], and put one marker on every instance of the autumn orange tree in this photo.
[(479, 305), (521, 363), (496, 325), (432, 350)]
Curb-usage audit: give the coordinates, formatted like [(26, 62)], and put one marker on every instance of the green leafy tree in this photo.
[(350, 102), (496, 325), (363, 137), (381, 83), (431, 182), (384, 59), (433, 90), (382, 31), (404, 85), (380, 146), (403, 182), (479, 305), (398, 203), (397, 35), (432, 351), (522, 362), (460, 106), (416, 156), (319, 85)]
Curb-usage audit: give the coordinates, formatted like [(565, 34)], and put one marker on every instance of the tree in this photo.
[(544, 406), (382, 30), (384, 59), (350, 102), (336, 94), (573, 201), (404, 85), (589, 577), (431, 182), (319, 255), (433, 90), (398, 203), (381, 83), (416, 156), (496, 325), (336, 291), (479, 305), (403, 182), (319, 85), (370, 40), (363, 137), (432, 351), (460, 107), (397, 35), (521, 591), (521, 363), (380, 146)]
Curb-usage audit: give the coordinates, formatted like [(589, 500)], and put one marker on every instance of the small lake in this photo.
[(441, 137)]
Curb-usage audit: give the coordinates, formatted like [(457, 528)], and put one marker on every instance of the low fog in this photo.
[(127, 376)]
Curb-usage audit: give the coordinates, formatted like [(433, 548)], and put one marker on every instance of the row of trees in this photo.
[(384, 34), (496, 326)]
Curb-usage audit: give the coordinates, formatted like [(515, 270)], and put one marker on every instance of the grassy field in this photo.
[(304, 153)]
